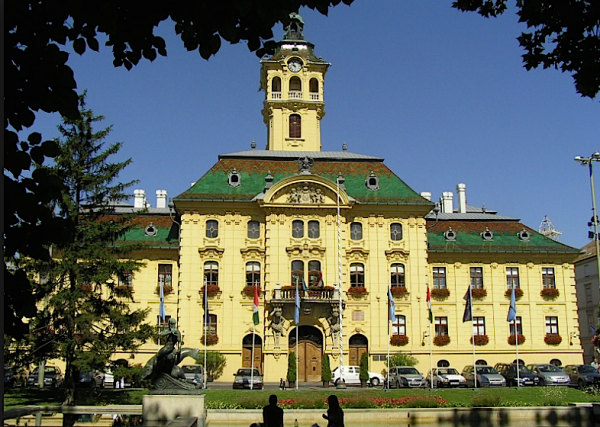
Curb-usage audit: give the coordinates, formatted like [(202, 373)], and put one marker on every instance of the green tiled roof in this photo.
[(167, 232), (213, 185), (505, 238)]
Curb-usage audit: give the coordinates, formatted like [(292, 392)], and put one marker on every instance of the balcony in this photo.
[(288, 294), (314, 96), (275, 95), (295, 94)]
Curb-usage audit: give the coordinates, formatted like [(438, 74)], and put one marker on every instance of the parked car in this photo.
[(14, 377), (550, 374), (446, 377), (351, 376), (524, 378), (406, 376), (52, 377), (243, 377), (582, 375), (486, 376), (194, 374)]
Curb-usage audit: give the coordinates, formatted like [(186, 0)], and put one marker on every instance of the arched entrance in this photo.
[(358, 344), (310, 352), (247, 352)]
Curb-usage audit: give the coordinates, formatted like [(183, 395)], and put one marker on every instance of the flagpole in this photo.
[(391, 310), (342, 382), (297, 327), (517, 348), (430, 317), (252, 358), (473, 337), (205, 328)]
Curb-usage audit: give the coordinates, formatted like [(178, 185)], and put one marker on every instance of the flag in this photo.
[(320, 282), (255, 307), (304, 288), (392, 306), (429, 305), (205, 305), (297, 312), (512, 309), (592, 330), (161, 308), (468, 316)]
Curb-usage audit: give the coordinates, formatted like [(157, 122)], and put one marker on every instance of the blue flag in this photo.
[(592, 330), (161, 307), (391, 306), (205, 304), (297, 312), (512, 309), (304, 288), (467, 316)]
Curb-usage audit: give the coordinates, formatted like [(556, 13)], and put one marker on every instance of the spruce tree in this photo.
[(89, 276)]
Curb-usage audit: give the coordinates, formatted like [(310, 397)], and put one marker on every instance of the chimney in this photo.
[(426, 195), (447, 202), (161, 199), (461, 191), (139, 199)]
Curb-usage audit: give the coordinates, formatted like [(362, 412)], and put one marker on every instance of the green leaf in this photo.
[(34, 138), (79, 46)]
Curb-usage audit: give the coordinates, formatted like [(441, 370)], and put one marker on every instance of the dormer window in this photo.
[(487, 235), (150, 230), (524, 235), (234, 179), (450, 235), (372, 182)]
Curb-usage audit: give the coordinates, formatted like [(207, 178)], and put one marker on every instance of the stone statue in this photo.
[(162, 369), (334, 321), (294, 30), (277, 323), (305, 163)]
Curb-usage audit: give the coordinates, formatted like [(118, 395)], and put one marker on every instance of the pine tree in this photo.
[(90, 274)]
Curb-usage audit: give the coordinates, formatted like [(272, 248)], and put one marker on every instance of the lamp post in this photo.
[(590, 161)]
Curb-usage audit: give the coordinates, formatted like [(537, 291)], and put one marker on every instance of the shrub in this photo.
[(552, 339), (550, 293), (364, 368), (325, 369), (480, 339), (512, 340), (441, 340), (215, 363), (440, 294), (398, 340), (478, 293), (399, 291), (403, 359), (357, 291), (486, 400), (291, 372), (553, 396), (518, 293)]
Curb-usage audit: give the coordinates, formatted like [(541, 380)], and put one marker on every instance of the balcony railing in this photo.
[(295, 94), (314, 96), (289, 294), (276, 95)]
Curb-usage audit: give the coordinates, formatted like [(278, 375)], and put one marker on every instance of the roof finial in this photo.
[(294, 30), (345, 146), (253, 145)]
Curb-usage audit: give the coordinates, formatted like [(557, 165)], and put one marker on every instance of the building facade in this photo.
[(588, 298), (336, 232)]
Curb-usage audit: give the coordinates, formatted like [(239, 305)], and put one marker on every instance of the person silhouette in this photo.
[(272, 414), (335, 414)]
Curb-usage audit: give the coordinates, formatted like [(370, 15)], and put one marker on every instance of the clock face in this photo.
[(295, 65)]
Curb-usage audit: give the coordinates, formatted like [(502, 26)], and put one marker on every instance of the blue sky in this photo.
[(440, 94)]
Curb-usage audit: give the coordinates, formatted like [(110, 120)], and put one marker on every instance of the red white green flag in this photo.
[(255, 307), (429, 305)]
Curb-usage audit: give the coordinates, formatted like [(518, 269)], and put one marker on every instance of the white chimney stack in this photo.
[(447, 202), (461, 191), (139, 199), (426, 195), (161, 198)]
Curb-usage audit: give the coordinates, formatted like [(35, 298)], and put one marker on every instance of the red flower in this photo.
[(550, 293), (480, 339), (167, 289), (211, 339), (398, 340), (518, 293), (249, 290), (358, 291), (398, 291), (211, 291), (440, 294), (512, 340), (441, 340), (478, 293), (552, 339)]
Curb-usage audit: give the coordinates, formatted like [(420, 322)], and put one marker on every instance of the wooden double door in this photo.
[(309, 361), (247, 357)]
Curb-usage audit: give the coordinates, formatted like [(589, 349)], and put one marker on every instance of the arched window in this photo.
[(443, 364), (295, 126), (253, 230), (481, 362), (357, 275), (276, 84), (295, 84), (556, 362), (253, 274), (211, 273), (297, 272), (297, 228), (520, 362), (356, 231), (397, 275), (314, 273), (314, 85), (212, 228), (396, 231), (399, 325), (313, 229)]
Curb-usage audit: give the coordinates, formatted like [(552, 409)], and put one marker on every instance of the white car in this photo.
[(351, 376), (446, 377)]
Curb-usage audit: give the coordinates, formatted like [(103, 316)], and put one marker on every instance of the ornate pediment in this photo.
[(396, 254), (252, 252), (211, 252), (357, 254), (305, 194), (305, 251), (305, 190)]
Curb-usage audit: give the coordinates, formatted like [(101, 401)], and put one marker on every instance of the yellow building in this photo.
[(269, 218)]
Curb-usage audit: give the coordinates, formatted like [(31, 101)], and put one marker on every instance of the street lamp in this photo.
[(590, 161)]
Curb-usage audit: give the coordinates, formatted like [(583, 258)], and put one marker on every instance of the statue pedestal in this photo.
[(160, 407)]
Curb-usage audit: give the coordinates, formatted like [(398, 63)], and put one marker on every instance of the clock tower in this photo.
[(293, 83)]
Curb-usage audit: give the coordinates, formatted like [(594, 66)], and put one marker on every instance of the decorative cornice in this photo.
[(357, 253), (399, 254), (211, 252), (252, 252), (305, 251)]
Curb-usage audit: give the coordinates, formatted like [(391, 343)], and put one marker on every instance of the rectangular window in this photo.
[(548, 278), (551, 325), (356, 231), (397, 275), (590, 319), (211, 273), (165, 275), (211, 326), (399, 325), (297, 229), (439, 277), (586, 270), (441, 326), (588, 293), (511, 326), (126, 279), (512, 277), (476, 278), (161, 322), (479, 325), (253, 274), (357, 275)]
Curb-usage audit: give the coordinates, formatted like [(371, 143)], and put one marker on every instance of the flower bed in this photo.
[(550, 293), (357, 291), (478, 293), (211, 290), (441, 340), (398, 340), (518, 293), (480, 339), (552, 339), (512, 340), (440, 294), (398, 291), (167, 289), (373, 402), (249, 290), (211, 339)]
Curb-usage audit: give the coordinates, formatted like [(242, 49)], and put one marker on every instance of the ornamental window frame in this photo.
[(552, 325), (512, 278), (211, 272), (548, 278), (476, 277), (297, 229), (314, 272), (399, 325), (396, 232), (356, 231), (357, 275), (295, 126), (297, 267), (397, 275), (314, 229), (165, 274), (511, 326), (212, 228), (253, 230)]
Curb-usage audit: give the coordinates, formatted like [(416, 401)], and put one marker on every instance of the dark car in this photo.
[(14, 377), (52, 377), (524, 378), (582, 375), (243, 377)]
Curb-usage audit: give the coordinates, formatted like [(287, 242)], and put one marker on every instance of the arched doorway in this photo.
[(247, 352), (310, 352), (358, 345)]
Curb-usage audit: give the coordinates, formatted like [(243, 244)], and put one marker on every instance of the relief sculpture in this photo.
[(305, 195)]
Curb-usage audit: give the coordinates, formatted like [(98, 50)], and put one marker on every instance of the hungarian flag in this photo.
[(429, 305), (255, 306)]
